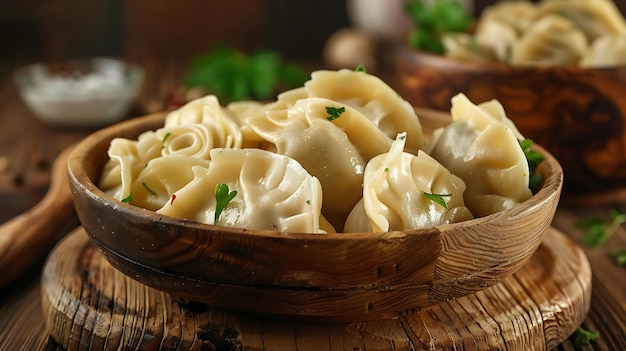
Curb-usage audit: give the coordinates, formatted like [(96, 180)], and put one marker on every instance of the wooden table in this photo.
[(28, 148)]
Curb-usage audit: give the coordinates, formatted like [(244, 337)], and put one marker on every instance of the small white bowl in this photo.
[(89, 93)]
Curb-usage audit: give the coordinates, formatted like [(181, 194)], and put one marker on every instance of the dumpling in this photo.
[(162, 177), (606, 51), (517, 13), (497, 35), (223, 123), (594, 18), (466, 47), (373, 98), (396, 187), (486, 154), (551, 41), (304, 133), (273, 192)]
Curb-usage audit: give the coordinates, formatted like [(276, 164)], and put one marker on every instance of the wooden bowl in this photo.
[(325, 277), (579, 115)]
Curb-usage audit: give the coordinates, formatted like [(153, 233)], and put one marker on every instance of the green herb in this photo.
[(223, 196), (308, 202), (148, 188), (438, 198), (360, 68), (128, 198), (619, 255), (534, 158), (233, 75), (334, 112), (597, 230), (583, 336), (431, 21), (167, 135), (386, 169)]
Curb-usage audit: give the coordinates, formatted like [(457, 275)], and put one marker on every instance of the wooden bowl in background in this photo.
[(325, 277), (579, 115)]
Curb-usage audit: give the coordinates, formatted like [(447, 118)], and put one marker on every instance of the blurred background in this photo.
[(49, 30)]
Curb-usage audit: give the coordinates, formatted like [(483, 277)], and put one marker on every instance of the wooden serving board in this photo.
[(89, 305)]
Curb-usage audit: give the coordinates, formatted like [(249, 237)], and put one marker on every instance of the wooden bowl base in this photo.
[(89, 305)]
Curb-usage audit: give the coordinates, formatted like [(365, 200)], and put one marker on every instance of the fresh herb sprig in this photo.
[(431, 21), (534, 158), (598, 230), (438, 198), (233, 75), (334, 112), (223, 196), (584, 336)]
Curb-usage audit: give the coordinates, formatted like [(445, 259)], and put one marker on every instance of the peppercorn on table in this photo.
[(28, 150)]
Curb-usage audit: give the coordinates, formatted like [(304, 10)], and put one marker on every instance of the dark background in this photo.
[(48, 30)]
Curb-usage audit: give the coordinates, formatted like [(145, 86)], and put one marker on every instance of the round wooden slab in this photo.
[(89, 305)]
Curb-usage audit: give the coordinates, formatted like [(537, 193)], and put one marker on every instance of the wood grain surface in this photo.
[(88, 304)]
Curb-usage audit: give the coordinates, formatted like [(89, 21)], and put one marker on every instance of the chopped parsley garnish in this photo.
[(534, 158), (308, 202), (360, 68), (583, 337), (438, 198), (597, 230), (223, 196), (148, 189), (128, 198), (334, 112)]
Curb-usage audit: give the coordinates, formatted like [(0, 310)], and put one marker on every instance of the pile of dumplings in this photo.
[(582, 33), (342, 153)]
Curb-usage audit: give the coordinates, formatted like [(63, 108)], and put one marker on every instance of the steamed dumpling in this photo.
[(486, 154), (465, 47), (325, 150), (274, 192), (606, 51), (395, 189), (368, 94), (552, 41), (221, 122), (594, 18)]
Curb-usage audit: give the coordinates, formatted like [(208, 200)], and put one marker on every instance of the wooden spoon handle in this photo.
[(25, 238)]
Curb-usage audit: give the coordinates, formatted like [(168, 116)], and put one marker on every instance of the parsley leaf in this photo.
[(597, 230), (334, 112), (233, 75), (360, 68), (438, 198), (128, 198), (619, 255), (432, 20), (583, 336), (534, 158), (223, 196)]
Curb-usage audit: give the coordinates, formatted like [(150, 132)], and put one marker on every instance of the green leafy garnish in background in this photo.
[(619, 255), (232, 75), (583, 337), (223, 196), (534, 158), (438, 198), (441, 16), (597, 230)]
